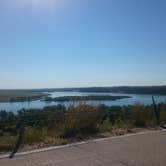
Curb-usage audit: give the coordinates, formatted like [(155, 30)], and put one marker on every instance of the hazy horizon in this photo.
[(84, 87), (74, 43)]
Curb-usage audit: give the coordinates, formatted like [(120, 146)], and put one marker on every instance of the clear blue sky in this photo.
[(73, 43)]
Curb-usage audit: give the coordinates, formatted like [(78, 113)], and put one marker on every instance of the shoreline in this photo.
[(10, 97)]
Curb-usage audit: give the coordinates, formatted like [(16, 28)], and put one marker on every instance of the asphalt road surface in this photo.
[(139, 150)]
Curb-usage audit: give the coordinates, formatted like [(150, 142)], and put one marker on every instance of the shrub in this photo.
[(7, 143), (106, 126), (82, 119), (143, 116), (34, 135)]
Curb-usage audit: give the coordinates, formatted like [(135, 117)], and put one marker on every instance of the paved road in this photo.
[(141, 150)]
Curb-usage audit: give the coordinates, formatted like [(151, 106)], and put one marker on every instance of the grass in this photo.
[(7, 143), (34, 135)]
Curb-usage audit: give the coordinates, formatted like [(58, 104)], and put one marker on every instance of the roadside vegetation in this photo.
[(58, 125)]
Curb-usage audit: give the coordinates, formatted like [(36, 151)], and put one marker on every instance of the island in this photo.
[(85, 98)]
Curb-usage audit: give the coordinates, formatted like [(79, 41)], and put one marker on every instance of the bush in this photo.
[(33, 135), (143, 116), (106, 126), (82, 119), (7, 143)]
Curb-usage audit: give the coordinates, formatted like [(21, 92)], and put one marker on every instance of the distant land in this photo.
[(156, 90), (85, 98), (20, 95), (160, 90)]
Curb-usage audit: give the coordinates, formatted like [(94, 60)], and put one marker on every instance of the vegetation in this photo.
[(157, 90), (84, 98), (20, 95), (57, 124)]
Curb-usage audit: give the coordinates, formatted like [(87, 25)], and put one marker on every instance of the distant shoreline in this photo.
[(24, 95), (20, 96), (149, 90)]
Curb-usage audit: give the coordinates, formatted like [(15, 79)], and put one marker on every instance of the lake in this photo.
[(142, 99)]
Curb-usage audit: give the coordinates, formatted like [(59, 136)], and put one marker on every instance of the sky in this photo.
[(82, 43)]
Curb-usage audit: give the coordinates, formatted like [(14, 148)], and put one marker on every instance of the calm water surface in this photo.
[(142, 99)]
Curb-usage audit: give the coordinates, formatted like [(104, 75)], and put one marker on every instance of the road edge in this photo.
[(81, 143)]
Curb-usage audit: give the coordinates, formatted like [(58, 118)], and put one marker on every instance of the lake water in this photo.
[(142, 99)]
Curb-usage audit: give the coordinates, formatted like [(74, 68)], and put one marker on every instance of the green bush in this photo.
[(143, 116), (34, 135), (163, 113), (82, 119), (7, 143), (106, 126)]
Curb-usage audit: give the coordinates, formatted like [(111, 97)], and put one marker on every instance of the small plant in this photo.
[(7, 143), (106, 126), (34, 135)]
